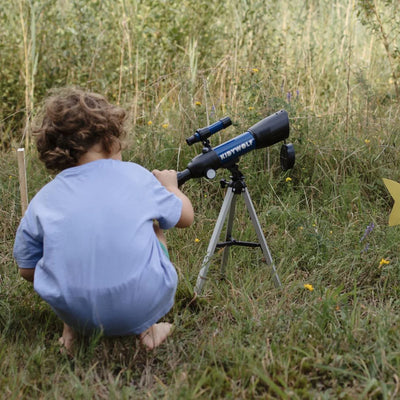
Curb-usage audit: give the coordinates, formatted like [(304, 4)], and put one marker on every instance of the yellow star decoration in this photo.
[(394, 190)]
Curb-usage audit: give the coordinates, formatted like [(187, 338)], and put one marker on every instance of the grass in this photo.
[(243, 338)]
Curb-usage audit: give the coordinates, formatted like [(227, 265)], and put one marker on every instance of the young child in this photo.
[(91, 240)]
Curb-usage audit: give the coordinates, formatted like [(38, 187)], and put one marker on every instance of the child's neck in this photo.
[(97, 152)]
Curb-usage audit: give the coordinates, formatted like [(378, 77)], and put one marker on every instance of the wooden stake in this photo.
[(23, 188)]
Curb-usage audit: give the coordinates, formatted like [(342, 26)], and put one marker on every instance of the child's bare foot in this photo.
[(67, 339), (156, 334)]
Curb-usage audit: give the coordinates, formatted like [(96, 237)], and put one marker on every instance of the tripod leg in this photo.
[(213, 241), (228, 236), (261, 237)]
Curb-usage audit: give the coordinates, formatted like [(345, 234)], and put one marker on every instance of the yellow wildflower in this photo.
[(197, 240), (255, 70), (288, 179), (165, 126), (367, 141), (251, 108), (384, 262), (150, 123), (197, 103), (309, 287)]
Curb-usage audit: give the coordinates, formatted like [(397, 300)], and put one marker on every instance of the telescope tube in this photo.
[(264, 133)]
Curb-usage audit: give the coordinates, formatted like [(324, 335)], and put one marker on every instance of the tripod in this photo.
[(236, 187)]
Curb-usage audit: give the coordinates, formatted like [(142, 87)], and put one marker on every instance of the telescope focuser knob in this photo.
[(210, 173)]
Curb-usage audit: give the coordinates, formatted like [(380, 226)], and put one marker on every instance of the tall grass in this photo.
[(332, 330)]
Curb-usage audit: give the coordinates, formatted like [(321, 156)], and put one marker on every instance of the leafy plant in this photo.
[(383, 20)]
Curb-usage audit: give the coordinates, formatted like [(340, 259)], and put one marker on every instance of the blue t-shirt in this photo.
[(89, 235)]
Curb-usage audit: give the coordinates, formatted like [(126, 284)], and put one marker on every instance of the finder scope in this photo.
[(203, 133), (264, 133)]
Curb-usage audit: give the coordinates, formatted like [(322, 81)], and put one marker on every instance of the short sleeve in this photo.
[(28, 245), (168, 205)]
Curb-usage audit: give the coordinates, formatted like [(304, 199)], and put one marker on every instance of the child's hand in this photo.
[(167, 178)]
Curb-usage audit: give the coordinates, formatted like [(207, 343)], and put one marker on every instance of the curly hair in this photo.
[(72, 121)]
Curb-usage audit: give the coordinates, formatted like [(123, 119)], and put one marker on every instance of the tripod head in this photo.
[(264, 133)]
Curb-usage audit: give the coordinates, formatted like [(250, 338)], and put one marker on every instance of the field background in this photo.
[(177, 66)]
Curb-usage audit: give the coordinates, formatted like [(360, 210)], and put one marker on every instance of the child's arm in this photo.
[(169, 180), (28, 246)]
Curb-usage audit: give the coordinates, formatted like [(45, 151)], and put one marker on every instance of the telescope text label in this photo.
[(236, 147)]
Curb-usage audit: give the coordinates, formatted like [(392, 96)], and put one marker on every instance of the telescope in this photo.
[(265, 133), (270, 130)]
